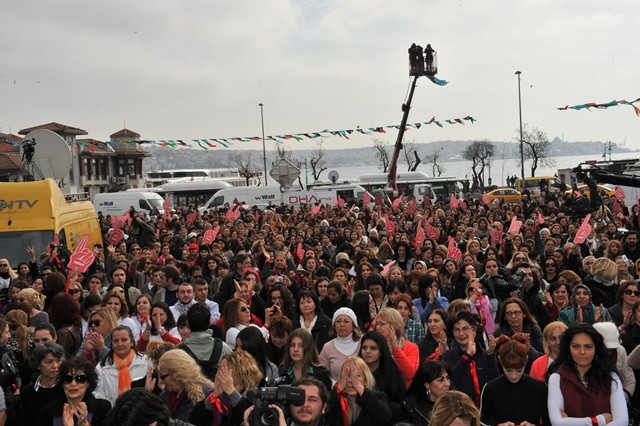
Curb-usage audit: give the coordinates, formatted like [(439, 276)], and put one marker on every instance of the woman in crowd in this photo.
[(481, 305), (514, 397), (413, 329), (252, 341), (514, 317), (631, 334), (237, 317), (628, 294), (431, 382), (115, 300), (46, 359), (551, 335), (142, 313), (78, 406), (353, 400), (429, 297), (455, 409), (160, 326), (584, 387), (346, 342), (97, 341), (550, 271), (280, 295), (10, 380), (301, 358), (436, 341), (362, 273), (312, 319), (405, 353), (557, 298), (65, 316), (602, 282), (122, 365), (336, 298), (388, 377), (226, 405), (184, 386), (582, 309), (33, 300), (320, 287), (471, 365), (20, 341), (363, 306)]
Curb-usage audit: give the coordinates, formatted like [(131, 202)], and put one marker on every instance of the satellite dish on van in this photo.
[(51, 155), (333, 176)]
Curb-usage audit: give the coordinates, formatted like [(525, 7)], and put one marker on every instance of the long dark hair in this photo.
[(599, 375), (427, 372), (388, 376), (360, 306), (253, 343)]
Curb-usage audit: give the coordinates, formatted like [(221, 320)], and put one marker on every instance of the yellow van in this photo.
[(534, 184), (31, 213)]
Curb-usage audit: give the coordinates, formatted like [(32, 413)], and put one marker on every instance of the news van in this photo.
[(262, 197), (32, 213), (118, 203)]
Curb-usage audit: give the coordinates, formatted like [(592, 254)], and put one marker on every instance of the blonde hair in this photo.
[(605, 268), (124, 308), (452, 405), (33, 296), (369, 380), (106, 314), (11, 272), (18, 321), (549, 330), (245, 369), (394, 319), (185, 371)]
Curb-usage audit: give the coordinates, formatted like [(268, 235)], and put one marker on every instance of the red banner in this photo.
[(419, 238), (396, 202), (619, 193)]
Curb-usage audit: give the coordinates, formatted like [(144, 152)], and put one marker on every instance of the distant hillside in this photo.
[(168, 158)]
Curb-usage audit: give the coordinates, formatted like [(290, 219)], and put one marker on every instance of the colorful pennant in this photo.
[(606, 105)]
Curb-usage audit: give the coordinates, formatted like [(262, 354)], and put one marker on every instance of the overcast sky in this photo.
[(199, 69)]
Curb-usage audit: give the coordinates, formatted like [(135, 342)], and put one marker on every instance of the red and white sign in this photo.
[(453, 251), (515, 226), (584, 231), (82, 257)]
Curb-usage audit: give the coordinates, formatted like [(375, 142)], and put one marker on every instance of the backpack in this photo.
[(209, 367)]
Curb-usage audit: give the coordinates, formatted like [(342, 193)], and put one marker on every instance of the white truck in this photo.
[(262, 197), (117, 203)]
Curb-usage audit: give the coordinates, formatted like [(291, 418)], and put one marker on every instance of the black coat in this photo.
[(374, 410), (320, 330), (98, 409)]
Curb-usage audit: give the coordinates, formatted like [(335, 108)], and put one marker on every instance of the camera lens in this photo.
[(269, 417)]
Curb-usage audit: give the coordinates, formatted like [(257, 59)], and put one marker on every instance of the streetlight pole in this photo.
[(264, 149), (521, 140)]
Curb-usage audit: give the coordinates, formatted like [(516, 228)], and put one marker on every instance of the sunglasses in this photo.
[(136, 249), (634, 292), (163, 376), (80, 379), (95, 323), (244, 308), (550, 265)]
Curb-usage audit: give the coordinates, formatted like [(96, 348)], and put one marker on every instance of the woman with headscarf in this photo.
[(582, 309)]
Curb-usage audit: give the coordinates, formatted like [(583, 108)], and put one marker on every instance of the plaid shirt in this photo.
[(414, 331)]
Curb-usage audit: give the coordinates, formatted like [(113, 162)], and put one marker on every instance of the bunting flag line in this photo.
[(217, 143), (606, 105)]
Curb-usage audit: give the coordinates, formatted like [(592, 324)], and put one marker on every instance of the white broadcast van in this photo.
[(117, 203), (263, 197)]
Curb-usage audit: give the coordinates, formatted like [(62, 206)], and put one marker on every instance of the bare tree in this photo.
[(318, 162), (245, 169), (479, 152), (382, 154), (537, 148), (433, 159), (411, 156)]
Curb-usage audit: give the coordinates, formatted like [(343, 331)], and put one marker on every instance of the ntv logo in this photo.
[(17, 204)]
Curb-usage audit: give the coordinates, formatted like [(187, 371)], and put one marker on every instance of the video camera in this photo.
[(273, 393), (498, 286)]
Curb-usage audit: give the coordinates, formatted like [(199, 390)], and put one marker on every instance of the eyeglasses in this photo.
[(634, 292), (21, 299), (244, 308), (513, 313), (136, 249), (462, 330), (197, 276), (550, 265), (80, 379), (95, 323)]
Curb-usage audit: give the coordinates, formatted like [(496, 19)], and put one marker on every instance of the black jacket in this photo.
[(98, 409), (374, 410), (320, 330)]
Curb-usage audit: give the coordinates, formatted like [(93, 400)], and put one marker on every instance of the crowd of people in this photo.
[(408, 313)]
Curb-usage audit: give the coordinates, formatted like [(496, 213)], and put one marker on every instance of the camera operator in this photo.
[(526, 287), (310, 413)]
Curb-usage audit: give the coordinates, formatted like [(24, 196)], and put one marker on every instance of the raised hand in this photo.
[(471, 346)]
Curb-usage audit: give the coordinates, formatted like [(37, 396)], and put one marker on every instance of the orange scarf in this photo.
[(124, 376)]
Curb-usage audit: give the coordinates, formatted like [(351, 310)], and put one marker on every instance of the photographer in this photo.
[(525, 288), (307, 414)]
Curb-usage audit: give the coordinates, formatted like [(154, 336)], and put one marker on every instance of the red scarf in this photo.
[(219, 409), (474, 376), (344, 404)]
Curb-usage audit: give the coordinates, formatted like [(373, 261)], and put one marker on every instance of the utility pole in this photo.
[(521, 140), (264, 149)]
